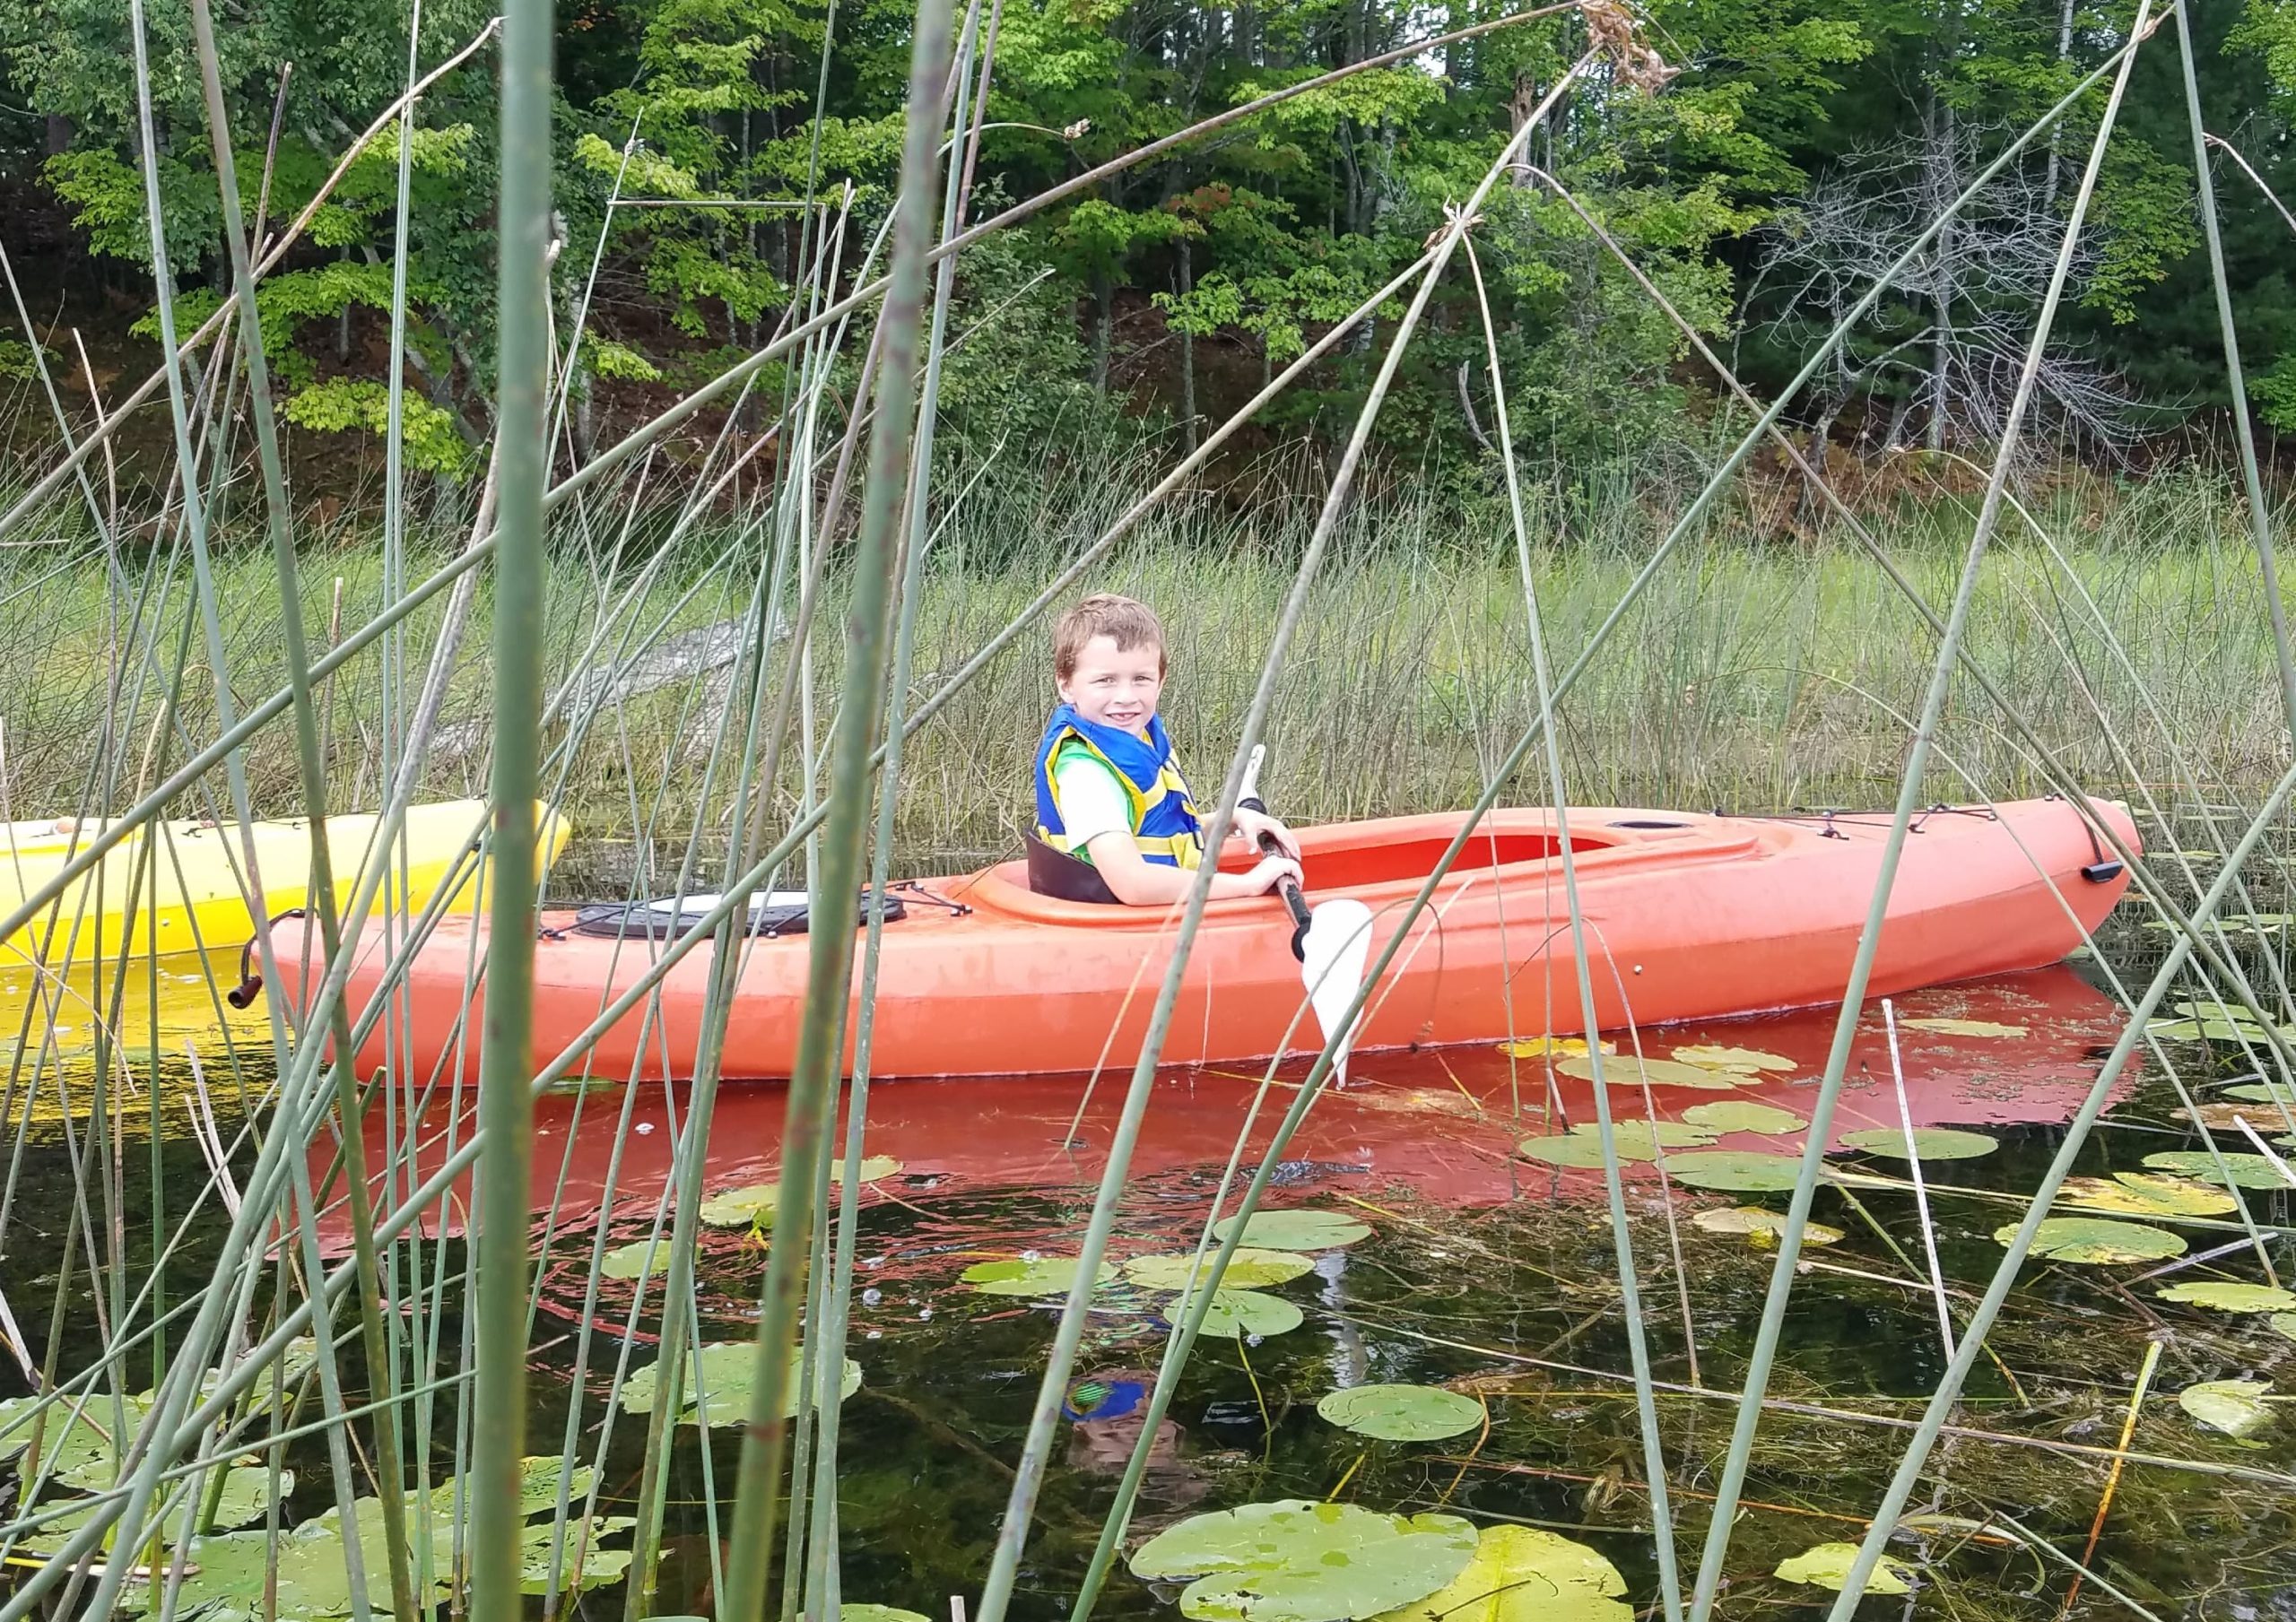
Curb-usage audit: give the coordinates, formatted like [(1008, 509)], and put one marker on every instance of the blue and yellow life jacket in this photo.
[(1164, 822)]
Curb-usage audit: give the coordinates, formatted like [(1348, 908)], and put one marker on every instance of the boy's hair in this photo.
[(1104, 614)]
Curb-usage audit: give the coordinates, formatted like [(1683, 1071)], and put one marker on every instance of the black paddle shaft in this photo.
[(1289, 888)]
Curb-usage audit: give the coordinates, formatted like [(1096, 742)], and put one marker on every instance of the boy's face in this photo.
[(1115, 687)]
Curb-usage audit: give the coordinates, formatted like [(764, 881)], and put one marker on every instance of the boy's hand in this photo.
[(1248, 825), (1271, 872)]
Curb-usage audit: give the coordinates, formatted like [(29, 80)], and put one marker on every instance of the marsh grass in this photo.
[(1759, 674)]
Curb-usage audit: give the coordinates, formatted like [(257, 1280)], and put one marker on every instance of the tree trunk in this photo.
[(2057, 130), (1187, 354), (1939, 185), (1519, 107), (1103, 296)]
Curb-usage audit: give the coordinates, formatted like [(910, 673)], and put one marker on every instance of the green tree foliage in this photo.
[(691, 141)]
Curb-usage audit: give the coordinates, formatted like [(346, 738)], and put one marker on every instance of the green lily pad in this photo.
[(2097, 1239), (2135, 1194), (1738, 1171), (628, 1261), (1237, 1313), (230, 1570), (1033, 1276), (877, 1613), (1247, 1269), (75, 1450), (1401, 1413), (246, 1495), (1764, 1228), (1625, 1069), (2283, 1324), (1520, 1574), (2248, 1171), (1581, 1153), (1744, 1115), (2227, 1296), (2262, 1092), (1930, 1142), (2205, 1031), (1827, 1566), (1294, 1561), (1744, 1060), (1961, 1027), (1299, 1229), (2235, 1407), (1665, 1134), (754, 1205), (726, 1371)]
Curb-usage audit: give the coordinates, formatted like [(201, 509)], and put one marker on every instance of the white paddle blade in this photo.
[(1337, 948)]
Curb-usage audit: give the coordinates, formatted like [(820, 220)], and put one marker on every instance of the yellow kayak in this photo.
[(201, 904)]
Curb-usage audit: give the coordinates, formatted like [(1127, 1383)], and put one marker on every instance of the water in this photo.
[(1482, 1269)]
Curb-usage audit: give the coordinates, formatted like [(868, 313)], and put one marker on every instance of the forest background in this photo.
[(1799, 147)]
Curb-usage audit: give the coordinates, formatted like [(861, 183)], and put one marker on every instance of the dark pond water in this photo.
[(1482, 1269)]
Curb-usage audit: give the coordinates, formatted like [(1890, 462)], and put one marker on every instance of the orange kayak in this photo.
[(1687, 917)]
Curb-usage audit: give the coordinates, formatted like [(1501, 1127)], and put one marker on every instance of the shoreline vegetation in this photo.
[(1757, 674)]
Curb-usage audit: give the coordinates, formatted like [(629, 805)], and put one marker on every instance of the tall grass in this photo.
[(1755, 676)]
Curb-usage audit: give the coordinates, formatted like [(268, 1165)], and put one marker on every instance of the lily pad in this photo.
[(76, 1451), (246, 1494), (1033, 1276), (877, 1613), (2235, 1407), (1237, 1313), (1665, 1134), (539, 1475), (1520, 1574), (1827, 1566), (2205, 1030), (2283, 1324), (1627, 1071), (1745, 1060), (2225, 1296), (2097, 1239), (1930, 1142), (1764, 1228), (1637, 1140), (2248, 1171), (1299, 1229), (628, 1261), (1247, 1269), (2135, 1194), (1295, 1561), (1540, 1047), (2262, 1092), (754, 1205), (1401, 1413), (1744, 1115), (726, 1371), (1738, 1171), (1581, 1153), (313, 1580), (1962, 1027)]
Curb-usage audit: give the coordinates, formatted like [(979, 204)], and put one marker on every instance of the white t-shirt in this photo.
[(1092, 800)]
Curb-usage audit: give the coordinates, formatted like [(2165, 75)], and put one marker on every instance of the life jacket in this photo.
[(1164, 822)]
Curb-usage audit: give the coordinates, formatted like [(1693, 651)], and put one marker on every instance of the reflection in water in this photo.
[(1442, 1122)]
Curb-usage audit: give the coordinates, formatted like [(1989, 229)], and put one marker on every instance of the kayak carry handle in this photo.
[(251, 986)]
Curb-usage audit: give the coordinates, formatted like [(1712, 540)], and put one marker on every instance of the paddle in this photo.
[(1332, 940)]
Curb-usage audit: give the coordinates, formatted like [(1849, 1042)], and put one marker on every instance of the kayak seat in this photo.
[(1066, 878), (771, 915)]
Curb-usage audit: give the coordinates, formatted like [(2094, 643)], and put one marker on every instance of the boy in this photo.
[(1108, 791)]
